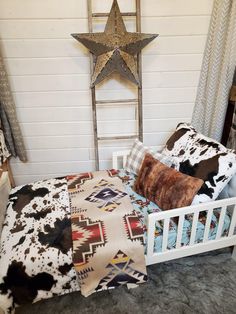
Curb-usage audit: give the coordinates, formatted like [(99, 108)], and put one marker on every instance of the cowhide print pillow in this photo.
[(202, 157), (166, 187)]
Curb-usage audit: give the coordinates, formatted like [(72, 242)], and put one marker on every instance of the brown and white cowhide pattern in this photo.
[(203, 158), (36, 245)]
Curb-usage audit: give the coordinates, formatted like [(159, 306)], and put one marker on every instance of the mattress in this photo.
[(36, 246)]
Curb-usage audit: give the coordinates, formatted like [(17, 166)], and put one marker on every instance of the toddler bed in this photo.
[(36, 247)]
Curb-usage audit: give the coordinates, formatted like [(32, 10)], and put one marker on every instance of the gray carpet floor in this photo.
[(203, 283)]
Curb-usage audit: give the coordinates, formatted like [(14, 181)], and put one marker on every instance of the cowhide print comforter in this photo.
[(36, 246), (36, 259)]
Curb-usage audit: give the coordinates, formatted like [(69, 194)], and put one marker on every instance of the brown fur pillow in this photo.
[(166, 187)]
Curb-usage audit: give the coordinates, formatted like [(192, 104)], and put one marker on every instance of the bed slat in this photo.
[(165, 234), (221, 222), (151, 236), (194, 228), (208, 224), (233, 222), (121, 154), (180, 231), (124, 160)]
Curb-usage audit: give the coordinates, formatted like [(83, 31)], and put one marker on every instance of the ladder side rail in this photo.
[(93, 90)]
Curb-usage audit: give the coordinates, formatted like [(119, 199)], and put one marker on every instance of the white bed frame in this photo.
[(192, 248)]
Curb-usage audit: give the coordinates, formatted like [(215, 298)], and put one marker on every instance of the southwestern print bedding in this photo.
[(36, 248)]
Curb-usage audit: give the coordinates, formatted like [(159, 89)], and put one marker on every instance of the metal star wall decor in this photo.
[(115, 49)]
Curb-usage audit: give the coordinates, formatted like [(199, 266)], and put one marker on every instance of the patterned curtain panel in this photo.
[(217, 70), (9, 123)]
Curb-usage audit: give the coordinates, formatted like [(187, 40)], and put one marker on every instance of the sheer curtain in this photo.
[(8, 119), (217, 71)]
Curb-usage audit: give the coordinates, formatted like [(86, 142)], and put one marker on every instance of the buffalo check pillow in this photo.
[(137, 154), (202, 157)]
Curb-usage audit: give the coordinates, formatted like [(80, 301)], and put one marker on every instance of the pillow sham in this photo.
[(202, 157), (229, 190), (166, 187), (137, 154)]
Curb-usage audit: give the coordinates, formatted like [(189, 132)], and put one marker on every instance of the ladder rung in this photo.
[(107, 14), (108, 138), (124, 102)]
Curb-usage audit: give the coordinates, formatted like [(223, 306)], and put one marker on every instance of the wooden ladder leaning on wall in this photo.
[(122, 102), (6, 167)]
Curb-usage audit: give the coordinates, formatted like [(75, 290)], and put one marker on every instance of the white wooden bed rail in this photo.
[(117, 156), (192, 248)]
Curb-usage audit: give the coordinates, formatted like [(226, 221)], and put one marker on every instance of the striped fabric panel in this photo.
[(7, 101)]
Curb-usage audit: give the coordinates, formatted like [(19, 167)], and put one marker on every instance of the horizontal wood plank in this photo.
[(34, 9), (56, 128), (105, 113), (163, 125), (166, 95), (105, 127), (63, 28), (73, 98), (80, 65), (81, 82), (57, 142), (163, 111), (63, 155), (51, 48), (67, 98), (72, 114)]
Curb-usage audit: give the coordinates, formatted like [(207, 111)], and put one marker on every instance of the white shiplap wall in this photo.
[(49, 75)]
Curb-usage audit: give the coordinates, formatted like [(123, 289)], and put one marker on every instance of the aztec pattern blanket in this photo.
[(106, 232)]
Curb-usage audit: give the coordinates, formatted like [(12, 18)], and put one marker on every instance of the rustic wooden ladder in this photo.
[(137, 102)]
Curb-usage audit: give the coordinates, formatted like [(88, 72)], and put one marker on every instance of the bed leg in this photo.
[(234, 253)]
